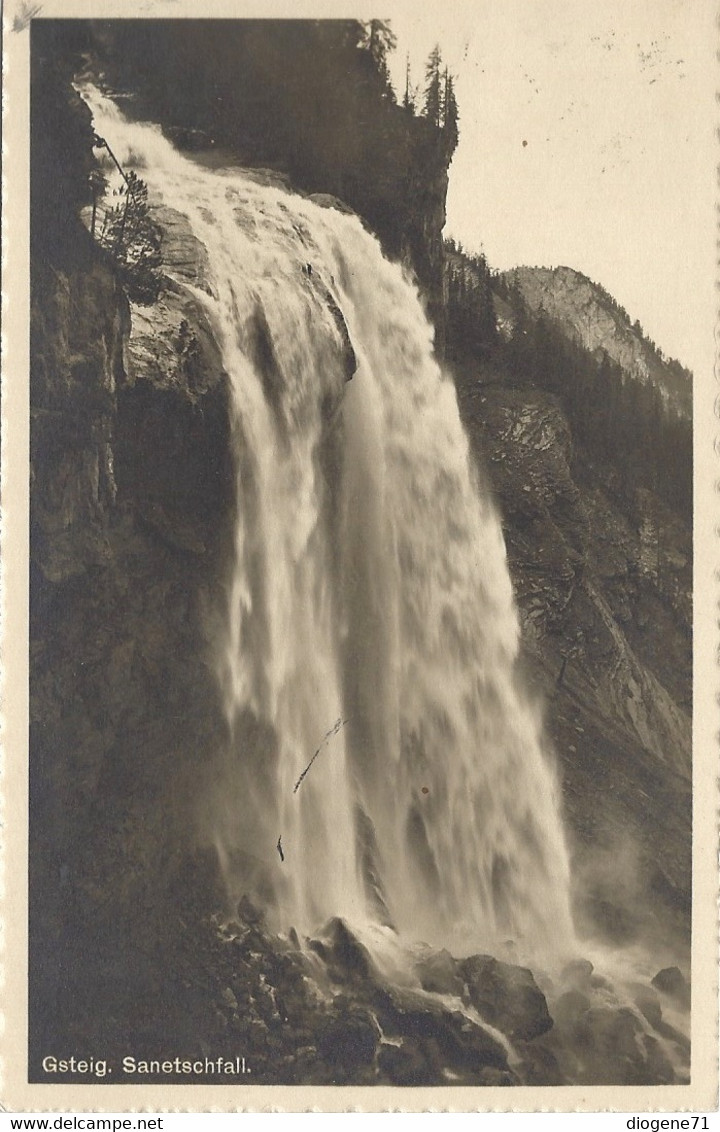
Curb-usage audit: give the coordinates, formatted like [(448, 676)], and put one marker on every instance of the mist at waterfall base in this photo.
[(384, 765)]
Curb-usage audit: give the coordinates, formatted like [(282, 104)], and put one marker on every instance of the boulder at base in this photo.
[(506, 996)]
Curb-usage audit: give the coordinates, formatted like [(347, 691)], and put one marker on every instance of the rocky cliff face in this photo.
[(604, 585), (585, 431), (132, 484), (421, 245)]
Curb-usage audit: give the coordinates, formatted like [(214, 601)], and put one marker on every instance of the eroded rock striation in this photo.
[(603, 579)]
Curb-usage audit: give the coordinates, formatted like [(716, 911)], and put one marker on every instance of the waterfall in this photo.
[(371, 635)]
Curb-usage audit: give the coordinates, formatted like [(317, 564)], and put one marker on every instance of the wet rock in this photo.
[(172, 345), (249, 913), (184, 256), (569, 1006), (346, 958), (660, 1068), (538, 1064), (577, 974), (599, 982), (506, 996), (647, 1002), (672, 982), (349, 1040), (676, 1037), (406, 1064), (606, 1047), (318, 947), (350, 363), (448, 1039), (439, 972)]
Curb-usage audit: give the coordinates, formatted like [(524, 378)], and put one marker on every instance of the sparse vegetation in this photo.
[(134, 241)]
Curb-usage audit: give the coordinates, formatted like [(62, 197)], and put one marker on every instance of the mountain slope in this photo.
[(589, 316), (584, 434)]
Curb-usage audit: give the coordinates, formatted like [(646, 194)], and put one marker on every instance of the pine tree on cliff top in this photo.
[(379, 39), (433, 88), (450, 114)]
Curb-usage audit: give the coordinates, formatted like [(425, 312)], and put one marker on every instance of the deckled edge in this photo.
[(701, 1096)]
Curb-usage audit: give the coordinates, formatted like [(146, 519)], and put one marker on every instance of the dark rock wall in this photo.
[(131, 528), (421, 243)]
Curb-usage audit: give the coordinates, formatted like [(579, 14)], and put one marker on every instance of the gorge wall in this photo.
[(132, 484), (591, 460)]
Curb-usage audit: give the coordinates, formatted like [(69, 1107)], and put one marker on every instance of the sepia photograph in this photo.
[(361, 473)]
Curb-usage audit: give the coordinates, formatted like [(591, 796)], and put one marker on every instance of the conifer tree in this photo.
[(449, 113), (134, 241), (433, 88), (379, 41), (408, 99)]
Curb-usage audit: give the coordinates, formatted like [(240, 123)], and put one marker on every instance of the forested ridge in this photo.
[(640, 428)]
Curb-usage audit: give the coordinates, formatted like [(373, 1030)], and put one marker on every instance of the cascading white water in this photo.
[(370, 617)]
